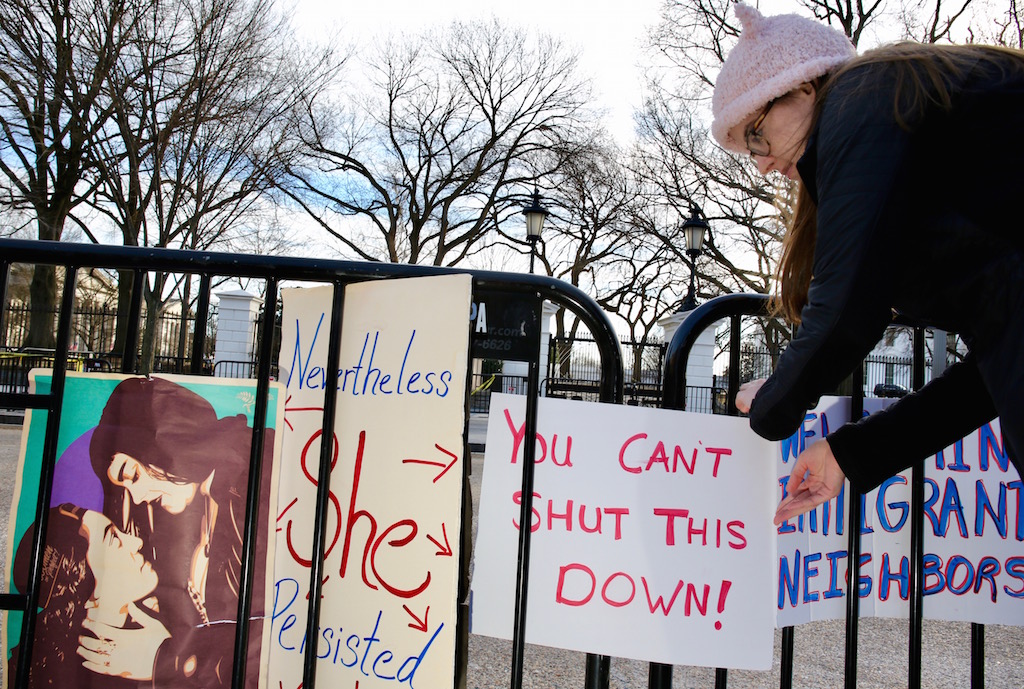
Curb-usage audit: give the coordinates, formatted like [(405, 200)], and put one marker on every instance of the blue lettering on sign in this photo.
[(989, 446), (958, 575), (795, 444), (368, 652), (300, 365), (791, 448), (997, 505), (882, 507), (368, 376), (902, 577), (984, 506), (951, 508), (802, 571)]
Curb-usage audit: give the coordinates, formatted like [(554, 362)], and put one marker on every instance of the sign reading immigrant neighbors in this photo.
[(391, 566), (973, 535), (505, 327), (141, 561)]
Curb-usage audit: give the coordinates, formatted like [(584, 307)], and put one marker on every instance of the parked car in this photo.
[(890, 390)]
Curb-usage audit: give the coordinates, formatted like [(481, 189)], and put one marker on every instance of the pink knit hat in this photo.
[(773, 56)]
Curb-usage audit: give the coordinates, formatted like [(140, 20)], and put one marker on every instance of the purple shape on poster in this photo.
[(74, 480)]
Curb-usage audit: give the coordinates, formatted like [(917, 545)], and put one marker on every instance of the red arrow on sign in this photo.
[(419, 624), (295, 409), (446, 466), (442, 550)]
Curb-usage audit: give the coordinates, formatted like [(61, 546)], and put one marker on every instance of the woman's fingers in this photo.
[(816, 478)]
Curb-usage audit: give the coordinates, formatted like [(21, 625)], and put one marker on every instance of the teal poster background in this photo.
[(85, 395)]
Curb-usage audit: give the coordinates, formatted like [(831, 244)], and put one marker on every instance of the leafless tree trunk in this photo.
[(57, 56), (439, 151), (200, 129)]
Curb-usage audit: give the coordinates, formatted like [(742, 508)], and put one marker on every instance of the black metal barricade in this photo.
[(275, 270), (733, 307)]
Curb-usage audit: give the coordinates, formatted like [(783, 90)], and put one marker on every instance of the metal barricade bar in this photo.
[(674, 397), (274, 270)]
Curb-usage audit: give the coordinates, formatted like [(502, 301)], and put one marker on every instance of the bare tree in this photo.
[(442, 145), (1011, 26), (200, 131), (587, 241), (55, 60)]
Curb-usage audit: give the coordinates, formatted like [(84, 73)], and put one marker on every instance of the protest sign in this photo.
[(630, 521), (973, 529), (391, 566), (651, 533), (141, 561)]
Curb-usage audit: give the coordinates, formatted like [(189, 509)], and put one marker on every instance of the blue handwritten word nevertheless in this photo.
[(364, 377), (366, 652)]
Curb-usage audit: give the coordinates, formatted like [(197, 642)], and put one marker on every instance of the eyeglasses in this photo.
[(754, 137)]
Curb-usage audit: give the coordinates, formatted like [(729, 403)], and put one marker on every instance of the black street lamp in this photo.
[(693, 231), (535, 214)]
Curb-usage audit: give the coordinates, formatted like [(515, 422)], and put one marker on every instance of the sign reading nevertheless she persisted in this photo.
[(652, 534), (391, 567)]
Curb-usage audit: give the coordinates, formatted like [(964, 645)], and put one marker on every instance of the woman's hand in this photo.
[(119, 652), (816, 477), (748, 391)]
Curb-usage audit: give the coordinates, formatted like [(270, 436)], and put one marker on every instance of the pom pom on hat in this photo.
[(772, 57)]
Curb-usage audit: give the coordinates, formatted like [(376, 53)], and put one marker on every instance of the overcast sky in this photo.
[(608, 32)]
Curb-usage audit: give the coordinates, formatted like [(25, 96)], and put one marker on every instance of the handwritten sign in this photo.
[(973, 564), (394, 513), (651, 533)]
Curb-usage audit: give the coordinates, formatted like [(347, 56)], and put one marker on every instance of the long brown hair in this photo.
[(924, 75)]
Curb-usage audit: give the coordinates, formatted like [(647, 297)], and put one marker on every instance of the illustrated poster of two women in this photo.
[(142, 557)]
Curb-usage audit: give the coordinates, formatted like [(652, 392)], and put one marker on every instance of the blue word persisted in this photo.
[(366, 376), (366, 653)]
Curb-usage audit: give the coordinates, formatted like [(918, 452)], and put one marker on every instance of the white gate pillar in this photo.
[(700, 367), (236, 326)]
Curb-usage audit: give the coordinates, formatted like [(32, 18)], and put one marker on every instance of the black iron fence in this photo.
[(610, 388), (916, 370), (571, 373), (94, 333), (576, 358), (483, 384), (529, 289)]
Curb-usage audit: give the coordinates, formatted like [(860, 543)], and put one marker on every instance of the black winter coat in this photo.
[(925, 222)]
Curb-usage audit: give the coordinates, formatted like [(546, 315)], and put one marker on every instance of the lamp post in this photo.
[(693, 231), (535, 214)]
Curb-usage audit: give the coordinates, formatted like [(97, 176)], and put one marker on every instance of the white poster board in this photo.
[(627, 539), (394, 514), (653, 535), (974, 560)]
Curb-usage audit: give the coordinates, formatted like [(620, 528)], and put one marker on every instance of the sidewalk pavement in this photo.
[(477, 432)]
